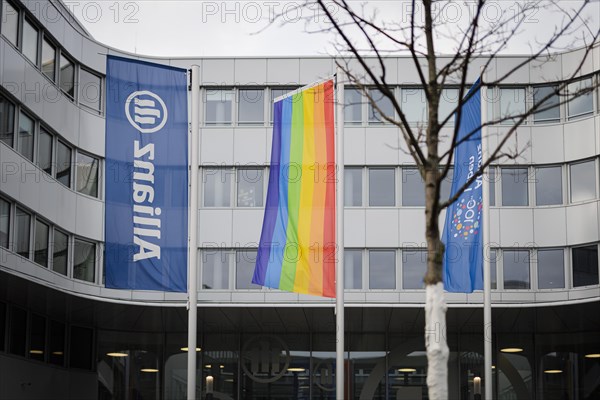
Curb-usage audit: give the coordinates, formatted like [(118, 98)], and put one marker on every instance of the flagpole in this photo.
[(193, 232), (487, 291), (339, 282)]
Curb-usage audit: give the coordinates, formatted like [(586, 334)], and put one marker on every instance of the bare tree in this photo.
[(424, 33)]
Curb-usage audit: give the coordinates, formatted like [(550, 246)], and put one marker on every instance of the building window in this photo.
[(352, 106), (57, 343), (551, 269), (383, 103), (48, 59), (217, 187), (17, 331), (250, 187), (44, 158), (90, 89), (67, 76), (218, 107), (215, 269), (84, 260), (30, 41), (547, 100), (492, 177), (548, 186), (352, 269), (584, 102), (353, 187), (63, 164), (583, 181), (413, 187), (23, 226), (4, 223), (244, 269), (60, 252), (40, 254), (514, 187), (382, 187), (414, 105), (26, 129), (37, 338), (516, 269), (512, 104), (10, 23), (414, 266), (251, 106), (87, 174), (448, 102), (7, 121), (382, 269), (585, 266)]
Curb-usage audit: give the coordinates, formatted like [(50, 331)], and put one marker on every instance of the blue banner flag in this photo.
[(146, 216), (463, 238)]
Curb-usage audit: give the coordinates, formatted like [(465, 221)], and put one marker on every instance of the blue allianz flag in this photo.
[(146, 216), (463, 238)]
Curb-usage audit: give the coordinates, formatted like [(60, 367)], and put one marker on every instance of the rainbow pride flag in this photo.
[(297, 245)]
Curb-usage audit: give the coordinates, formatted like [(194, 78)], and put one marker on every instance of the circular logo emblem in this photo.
[(265, 358), (146, 111)]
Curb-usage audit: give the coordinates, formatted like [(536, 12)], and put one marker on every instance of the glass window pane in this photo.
[(382, 188), (353, 269), (250, 187), (60, 252), (383, 103), (10, 22), (4, 223), (382, 269), (30, 42), (40, 254), (512, 103), (550, 111), (251, 107), (448, 102), (414, 104), (413, 187), (551, 269), (90, 89), (218, 107), (514, 187), (516, 269), (84, 260), (67, 76), (584, 103), (352, 106), (48, 59), (493, 178), (7, 121), (414, 266), (37, 338), (18, 331), (63, 164), (585, 266), (353, 187), (583, 181), (493, 273), (44, 160), (23, 224), (26, 129), (217, 187), (215, 269), (548, 186), (87, 174), (244, 269), (57, 343)]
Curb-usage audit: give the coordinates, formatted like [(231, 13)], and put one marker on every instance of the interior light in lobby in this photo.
[(511, 350), (592, 355), (117, 354), (186, 349)]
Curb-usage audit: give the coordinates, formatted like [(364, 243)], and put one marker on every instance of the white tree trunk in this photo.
[(435, 342)]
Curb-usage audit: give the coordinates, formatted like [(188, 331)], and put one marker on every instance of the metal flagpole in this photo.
[(339, 282), (487, 291), (193, 226)]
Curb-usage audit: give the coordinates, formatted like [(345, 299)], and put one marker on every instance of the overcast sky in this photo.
[(244, 28)]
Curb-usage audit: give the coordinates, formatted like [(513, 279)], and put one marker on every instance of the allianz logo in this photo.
[(146, 111)]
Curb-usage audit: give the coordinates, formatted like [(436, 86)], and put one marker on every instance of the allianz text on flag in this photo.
[(297, 245), (463, 236), (146, 218)]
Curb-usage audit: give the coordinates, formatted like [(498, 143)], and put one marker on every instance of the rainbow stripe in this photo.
[(297, 244)]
